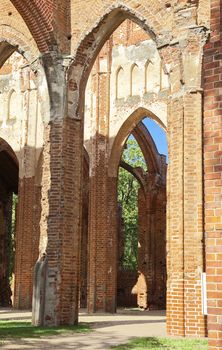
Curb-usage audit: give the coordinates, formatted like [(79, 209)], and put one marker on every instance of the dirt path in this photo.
[(108, 330)]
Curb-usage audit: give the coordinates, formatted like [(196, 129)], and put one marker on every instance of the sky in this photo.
[(158, 135)]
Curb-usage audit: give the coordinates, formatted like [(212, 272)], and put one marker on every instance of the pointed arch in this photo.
[(13, 107), (9, 166), (6, 50), (120, 82), (11, 40), (152, 76), (164, 83), (143, 137), (133, 79), (148, 62), (88, 49), (37, 14)]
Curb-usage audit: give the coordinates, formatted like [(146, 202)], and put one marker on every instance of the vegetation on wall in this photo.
[(127, 197), (12, 237)]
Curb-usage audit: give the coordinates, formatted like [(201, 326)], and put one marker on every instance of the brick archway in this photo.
[(89, 47), (61, 296), (37, 16), (105, 234), (27, 151), (8, 186), (149, 284), (5, 146), (11, 40), (123, 133)]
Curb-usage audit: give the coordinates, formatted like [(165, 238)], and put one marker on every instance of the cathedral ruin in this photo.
[(77, 81)]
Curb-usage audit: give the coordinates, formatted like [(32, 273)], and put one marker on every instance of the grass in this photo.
[(23, 329), (163, 343)]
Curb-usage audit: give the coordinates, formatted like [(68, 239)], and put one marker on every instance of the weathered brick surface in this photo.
[(27, 237), (83, 297), (177, 27), (212, 179)]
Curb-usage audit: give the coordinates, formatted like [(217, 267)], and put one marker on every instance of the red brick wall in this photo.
[(27, 241), (212, 73), (126, 288), (62, 166), (84, 259)]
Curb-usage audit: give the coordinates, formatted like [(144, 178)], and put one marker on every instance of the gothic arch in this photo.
[(119, 81), (11, 40), (133, 72), (5, 146), (37, 16), (89, 47), (126, 129), (148, 147), (9, 164)]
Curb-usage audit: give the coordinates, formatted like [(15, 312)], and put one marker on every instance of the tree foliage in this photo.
[(127, 196), (12, 237)]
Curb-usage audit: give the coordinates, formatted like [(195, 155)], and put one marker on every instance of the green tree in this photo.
[(12, 237), (127, 196)]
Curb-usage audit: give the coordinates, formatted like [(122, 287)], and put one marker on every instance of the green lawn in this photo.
[(22, 329), (163, 343)]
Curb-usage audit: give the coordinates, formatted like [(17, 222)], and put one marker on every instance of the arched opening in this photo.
[(135, 80), (8, 208), (153, 76), (120, 83), (141, 280), (105, 112), (21, 127)]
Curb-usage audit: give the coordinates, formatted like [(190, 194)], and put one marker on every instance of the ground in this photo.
[(108, 330)]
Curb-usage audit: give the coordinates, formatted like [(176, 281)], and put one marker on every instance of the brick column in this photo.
[(159, 249), (175, 247), (185, 220), (213, 175), (56, 277), (102, 249), (185, 189), (152, 242), (84, 238), (193, 215), (27, 239)]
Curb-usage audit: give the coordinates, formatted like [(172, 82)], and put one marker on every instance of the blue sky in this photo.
[(158, 135)]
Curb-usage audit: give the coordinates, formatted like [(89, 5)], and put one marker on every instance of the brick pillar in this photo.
[(56, 279), (27, 239), (151, 194), (193, 214), (185, 231), (152, 242), (112, 246), (102, 249), (185, 189), (84, 238), (213, 175), (160, 249), (175, 269), (56, 273)]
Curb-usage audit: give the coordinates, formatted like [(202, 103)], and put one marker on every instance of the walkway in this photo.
[(108, 330)]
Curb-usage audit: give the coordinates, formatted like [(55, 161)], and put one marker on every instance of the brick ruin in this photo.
[(75, 82)]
